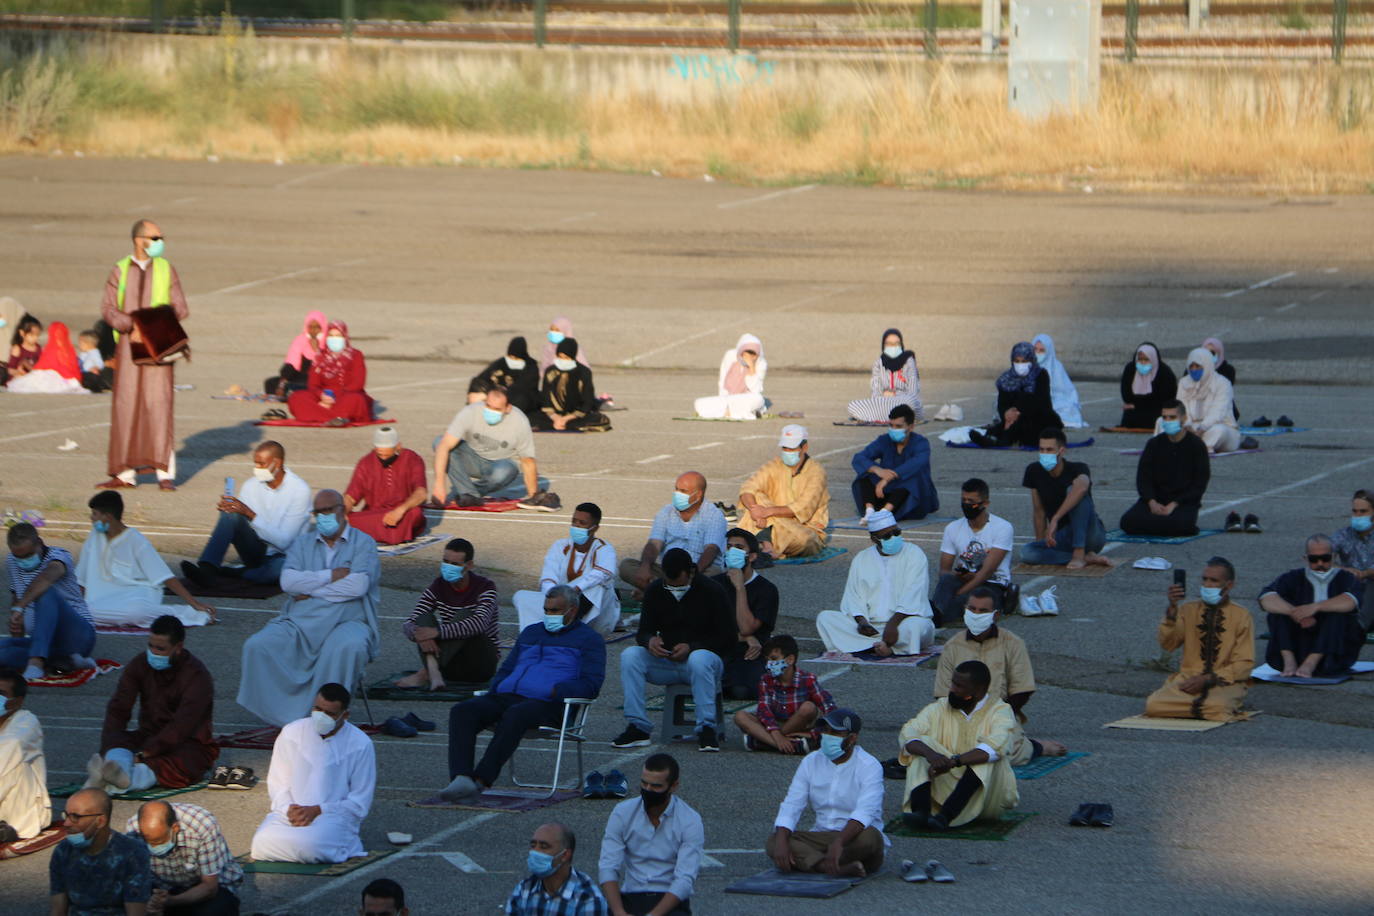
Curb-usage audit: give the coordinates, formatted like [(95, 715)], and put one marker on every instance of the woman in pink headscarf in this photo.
[(1224, 369), (1147, 384), (560, 329), (294, 374), (740, 385), (335, 395)]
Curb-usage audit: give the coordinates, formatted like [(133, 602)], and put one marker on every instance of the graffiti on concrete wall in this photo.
[(723, 69)]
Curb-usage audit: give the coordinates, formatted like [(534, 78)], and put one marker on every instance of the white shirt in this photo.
[(280, 515), (850, 791), (969, 547), (879, 586), (111, 567)]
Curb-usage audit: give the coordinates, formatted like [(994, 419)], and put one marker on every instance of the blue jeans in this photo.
[(702, 670), (464, 464), (58, 632), (1082, 529), (237, 530)]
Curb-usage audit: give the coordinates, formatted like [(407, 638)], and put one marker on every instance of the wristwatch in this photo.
[(957, 761)]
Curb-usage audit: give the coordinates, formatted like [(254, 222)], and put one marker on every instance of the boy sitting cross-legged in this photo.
[(790, 702)]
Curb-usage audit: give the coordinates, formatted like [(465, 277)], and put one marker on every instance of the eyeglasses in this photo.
[(69, 816), (1319, 558)]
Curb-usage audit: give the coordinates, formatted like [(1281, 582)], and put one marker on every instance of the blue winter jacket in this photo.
[(551, 666)]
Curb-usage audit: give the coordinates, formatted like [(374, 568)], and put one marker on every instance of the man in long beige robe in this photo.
[(955, 754), (1218, 651), (141, 434), (787, 501), (24, 801)]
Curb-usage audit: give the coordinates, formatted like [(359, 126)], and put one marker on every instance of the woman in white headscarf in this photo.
[(740, 384), (1062, 392), (1207, 403)]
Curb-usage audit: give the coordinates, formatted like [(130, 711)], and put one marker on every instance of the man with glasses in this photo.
[(1313, 628), (96, 869), (141, 411), (975, 552), (327, 630)]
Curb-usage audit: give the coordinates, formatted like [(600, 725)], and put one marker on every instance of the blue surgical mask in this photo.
[(163, 849), (491, 416), (30, 562), (579, 536), (155, 248), (540, 863), (897, 435), (791, 459), (100, 527), (1361, 522), (567, 365), (554, 622), (79, 840), (1171, 427), (776, 666), (1195, 374), (1048, 462), (735, 558), (892, 546), (335, 344), (451, 572), (892, 352), (557, 337), (1209, 595), (1215, 358), (158, 662), (1144, 368), (327, 525), (681, 501), (1042, 358), (832, 746)]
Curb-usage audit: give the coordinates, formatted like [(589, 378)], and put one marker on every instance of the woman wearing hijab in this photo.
[(514, 372), (1063, 394), (1224, 369), (1147, 384), (1024, 407), (294, 374), (334, 394), (567, 399), (740, 384), (11, 313), (1208, 403), (559, 330), (894, 381), (57, 369)]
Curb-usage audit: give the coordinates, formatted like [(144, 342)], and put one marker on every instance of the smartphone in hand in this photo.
[(1180, 578)]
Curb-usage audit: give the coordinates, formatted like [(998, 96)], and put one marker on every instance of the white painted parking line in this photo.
[(653, 458), (730, 205), (302, 179), (697, 448), (463, 863), (53, 432), (1284, 308), (47, 225), (1260, 285), (240, 287)]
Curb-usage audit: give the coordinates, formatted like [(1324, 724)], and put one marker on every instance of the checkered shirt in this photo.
[(579, 897), (200, 850)]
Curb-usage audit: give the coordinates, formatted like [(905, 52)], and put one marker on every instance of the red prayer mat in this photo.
[(45, 840), (78, 677), (491, 505), (316, 424), (262, 739)]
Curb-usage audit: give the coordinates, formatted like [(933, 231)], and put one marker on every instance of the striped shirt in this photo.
[(200, 850), (459, 613), (579, 896), (67, 586)]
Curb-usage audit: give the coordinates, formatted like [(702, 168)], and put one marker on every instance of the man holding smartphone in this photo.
[(1218, 650)]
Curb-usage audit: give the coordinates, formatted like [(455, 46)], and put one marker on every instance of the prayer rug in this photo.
[(1272, 676), (45, 840), (152, 794), (1017, 448), (1272, 430), (1044, 766), (1116, 534), (978, 830), (499, 800), (317, 424), (767, 416), (386, 689), (79, 676), (1239, 451), (488, 505), (1149, 723), (400, 550), (852, 422), (121, 629), (259, 396), (1087, 572), (230, 587), (773, 883), (895, 661), (319, 870), (827, 553), (262, 739), (1126, 429)]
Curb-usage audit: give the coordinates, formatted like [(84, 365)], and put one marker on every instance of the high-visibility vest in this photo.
[(162, 283)]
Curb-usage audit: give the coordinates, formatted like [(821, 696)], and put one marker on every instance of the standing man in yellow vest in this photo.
[(141, 434)]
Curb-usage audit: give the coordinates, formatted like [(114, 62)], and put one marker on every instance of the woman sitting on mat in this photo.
[(740, 384), (894, 381), (567, 399), (1147, 384), (294, 374), (1208, 405), (1224, 369), (1063, 394), (1024, 406), (57, 371), (335, 395), (560, 329), (514, 372)]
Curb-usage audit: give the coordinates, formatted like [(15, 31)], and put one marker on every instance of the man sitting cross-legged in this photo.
[(786, 502), (194, 873), (755, 601), (321, 781), (955, 754), (584, 561), (25, 810), (45, 595), (454, 625), (975, 552), (1314, 621), (558, 658), (843, 784), (790, 702), (387, 490)]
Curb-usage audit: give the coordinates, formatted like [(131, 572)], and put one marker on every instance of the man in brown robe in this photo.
[(141, 411)]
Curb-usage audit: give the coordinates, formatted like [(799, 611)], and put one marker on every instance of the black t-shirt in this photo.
[(762, 598), (1053, 489)]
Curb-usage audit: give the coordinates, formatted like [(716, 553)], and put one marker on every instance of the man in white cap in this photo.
[(787, 501), (388, 487), (886, 588)]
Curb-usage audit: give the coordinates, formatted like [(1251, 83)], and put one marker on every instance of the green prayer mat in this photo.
[(1043, 766), (386, 689), (317, 869), (152, 794), (978, 830)]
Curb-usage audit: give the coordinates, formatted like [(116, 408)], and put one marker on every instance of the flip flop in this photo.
[(938, 873), (913, 873)]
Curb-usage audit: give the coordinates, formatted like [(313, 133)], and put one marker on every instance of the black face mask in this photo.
[(653, 799), (971, 512), (963, 704), (388, 462)]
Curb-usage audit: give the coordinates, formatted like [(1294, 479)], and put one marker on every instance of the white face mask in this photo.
[(514, 364), (978, 623), (324, 723), (677, 591), (1020, 368), (1322, 576), (567, 365), (264, 474)]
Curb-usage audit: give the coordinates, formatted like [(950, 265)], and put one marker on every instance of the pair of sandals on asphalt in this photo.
[(916, 873), (611, 785), (407, 726)]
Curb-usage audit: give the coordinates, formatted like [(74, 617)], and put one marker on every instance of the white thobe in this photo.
[(24, 801), (593, 573), (878, 587), (338, 773), (123, 579)]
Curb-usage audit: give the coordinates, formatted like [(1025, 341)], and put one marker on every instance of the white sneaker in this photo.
[(1049, 605), (1030, 606), (954, 412)]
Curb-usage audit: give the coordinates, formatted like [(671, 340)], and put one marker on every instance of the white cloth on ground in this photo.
[(24, 803), (593, 573), (123, 579), (45, 381)]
